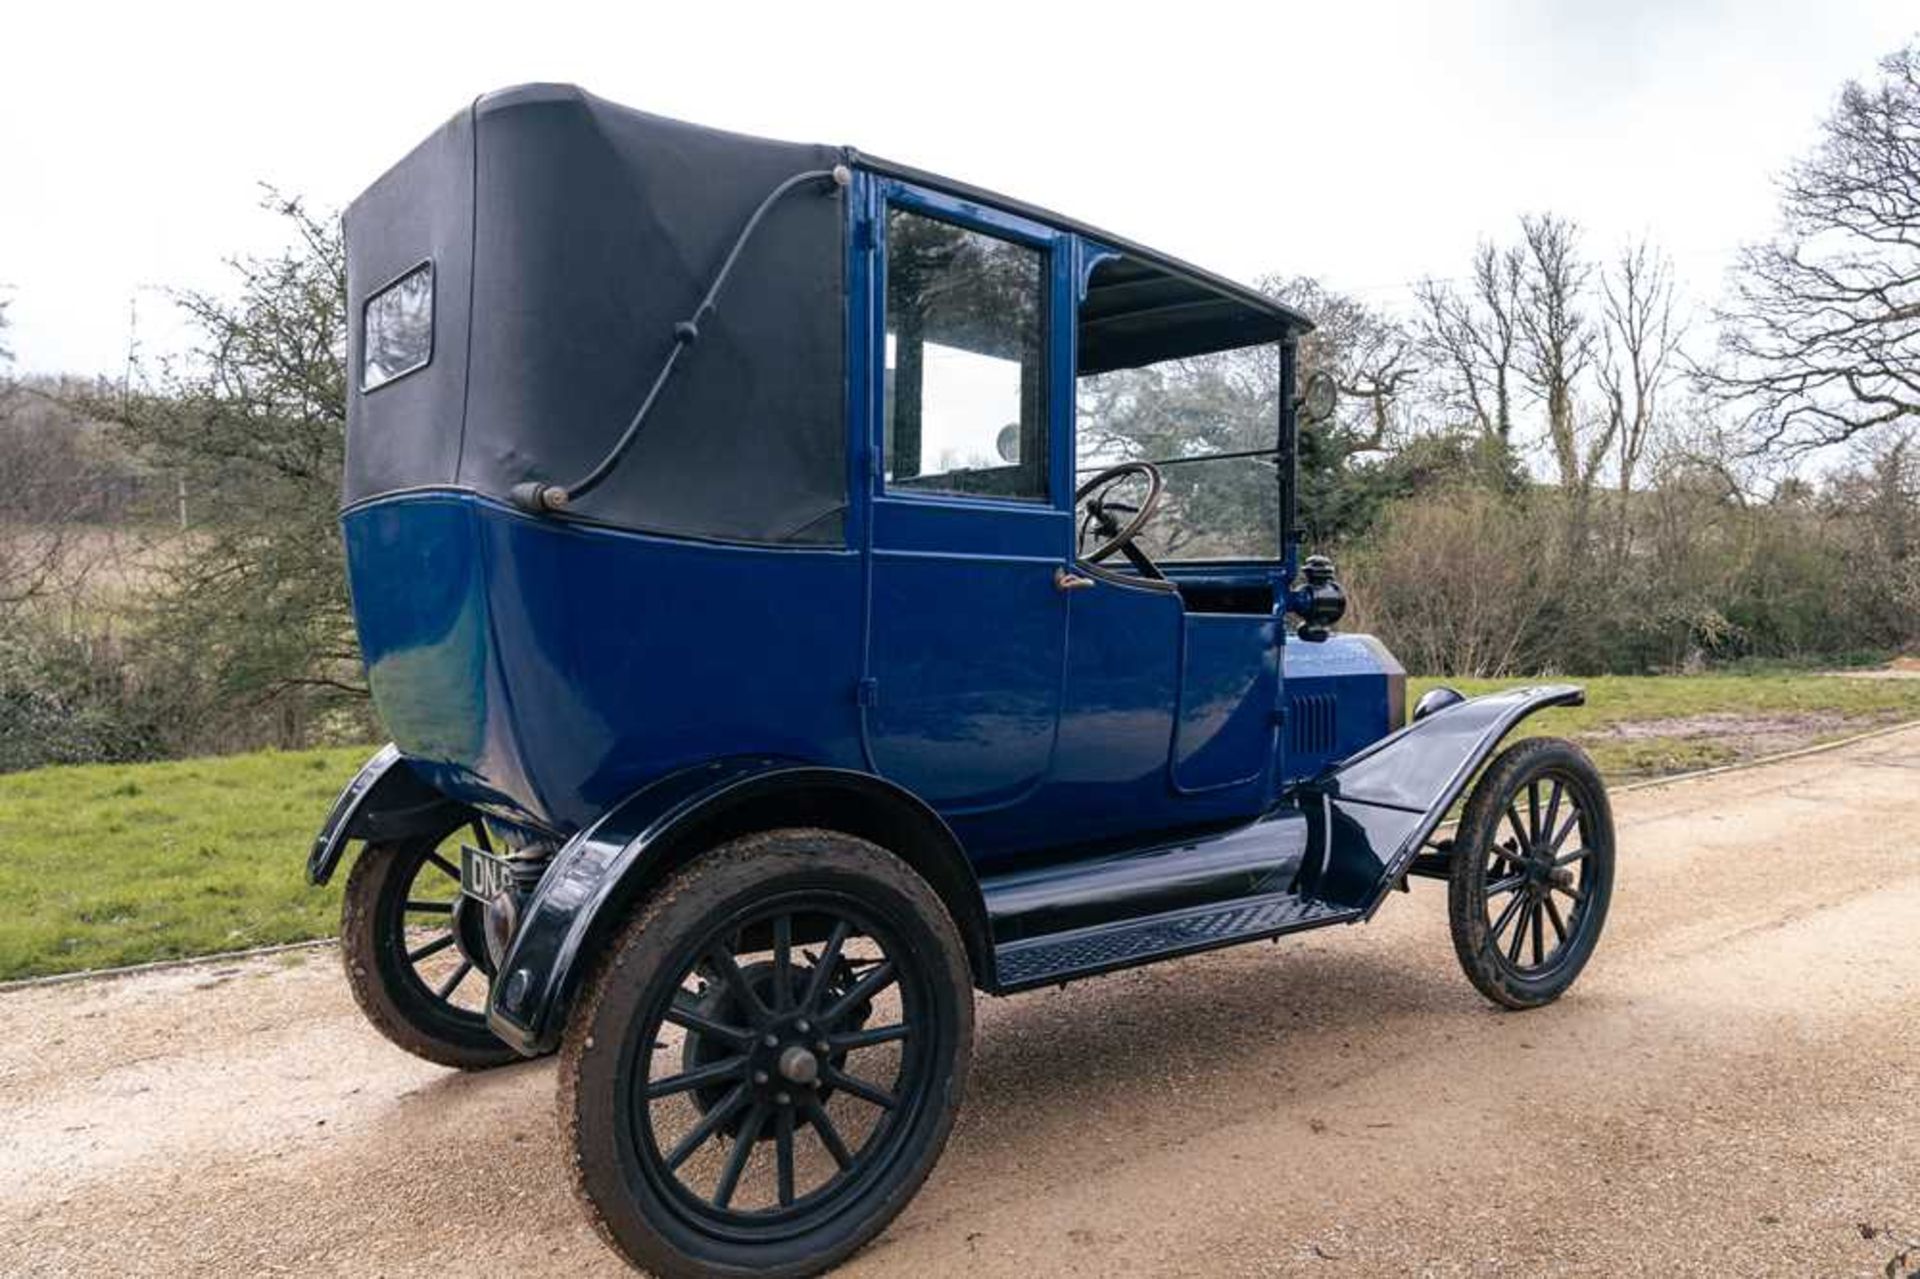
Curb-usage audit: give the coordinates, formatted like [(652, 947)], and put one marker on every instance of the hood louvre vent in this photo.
[(1312, 719)]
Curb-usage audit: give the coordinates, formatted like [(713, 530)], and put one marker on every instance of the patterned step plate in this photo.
[(1038, 960)]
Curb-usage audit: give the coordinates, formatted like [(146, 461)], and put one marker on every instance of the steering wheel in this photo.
[(1113, 537)]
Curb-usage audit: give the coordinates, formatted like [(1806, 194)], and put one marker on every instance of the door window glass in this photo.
[(966, 392)]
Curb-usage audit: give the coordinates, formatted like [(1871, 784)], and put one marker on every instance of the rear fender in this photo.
[(598, 875), (385, 800), (1371, 813)]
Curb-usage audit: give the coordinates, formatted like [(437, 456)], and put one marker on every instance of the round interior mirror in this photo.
[(1318, 398), (1007, 443)]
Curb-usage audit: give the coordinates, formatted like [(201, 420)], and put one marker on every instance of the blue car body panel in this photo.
[(543, 672)]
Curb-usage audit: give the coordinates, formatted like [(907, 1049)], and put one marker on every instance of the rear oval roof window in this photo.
[(397, 332)]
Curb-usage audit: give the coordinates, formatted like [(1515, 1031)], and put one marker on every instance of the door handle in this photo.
[(1065, 581)]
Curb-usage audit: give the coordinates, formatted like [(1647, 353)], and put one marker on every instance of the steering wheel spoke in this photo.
[(1114, 537)]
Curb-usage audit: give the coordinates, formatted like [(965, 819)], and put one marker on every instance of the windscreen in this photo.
[(1211, 423)]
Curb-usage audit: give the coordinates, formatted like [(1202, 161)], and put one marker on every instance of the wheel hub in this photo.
[(786, 1063), (799, 1066), (470, 934)]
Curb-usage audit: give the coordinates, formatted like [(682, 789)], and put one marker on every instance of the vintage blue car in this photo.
[(802, 591)]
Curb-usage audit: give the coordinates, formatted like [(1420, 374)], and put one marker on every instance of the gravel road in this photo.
[(1732, 1088)]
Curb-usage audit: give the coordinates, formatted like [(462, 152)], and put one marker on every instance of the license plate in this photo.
[(484, 876)]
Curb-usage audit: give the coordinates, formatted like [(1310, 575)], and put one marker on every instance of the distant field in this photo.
[(105, 865)]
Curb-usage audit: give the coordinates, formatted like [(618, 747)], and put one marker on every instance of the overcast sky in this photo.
[(1367, 144)]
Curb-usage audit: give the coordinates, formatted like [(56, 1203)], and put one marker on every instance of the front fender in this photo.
[(1372, 812), (601, 870), (385, 800)]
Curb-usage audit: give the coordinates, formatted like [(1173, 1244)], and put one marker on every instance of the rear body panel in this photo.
[(546, 671)]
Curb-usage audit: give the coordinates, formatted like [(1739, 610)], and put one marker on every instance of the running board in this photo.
[(1102, 948)]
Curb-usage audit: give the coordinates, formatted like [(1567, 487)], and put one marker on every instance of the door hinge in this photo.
[(1279, 716), (867, 692)]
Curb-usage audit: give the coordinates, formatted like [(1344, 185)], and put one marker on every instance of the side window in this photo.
[(966, 394)]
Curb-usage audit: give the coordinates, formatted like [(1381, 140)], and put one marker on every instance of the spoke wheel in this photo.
[(770, 1058), (415, 953), (1532, 872)]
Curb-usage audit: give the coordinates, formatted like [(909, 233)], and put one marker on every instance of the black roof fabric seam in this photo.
[(473, 266)]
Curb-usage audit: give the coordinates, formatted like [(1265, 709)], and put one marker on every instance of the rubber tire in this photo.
[(386, 994), (626, 1212), (1480, 825)]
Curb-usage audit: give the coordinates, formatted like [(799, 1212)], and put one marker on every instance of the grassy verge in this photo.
[(119, 864), (107, 864), (1647, 726)]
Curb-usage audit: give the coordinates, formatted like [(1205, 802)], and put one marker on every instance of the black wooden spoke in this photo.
[(452, 983), (1506, 917), (1501, 886), (716, 1072), (691, 1019), (1533, 811), (860, 1088), (867, 1038), (783, 1155), (1560, 836), (709, 1124), (433, 947), (448, 868), (783, 963), (1519, 834), (1579, 895), (737, 1160), (1507, 854), (876, 979), (1553, 915), (1539, 933), (723, 962), (1567, 859), (829, 960), (431, 908), (1520, 933), (1553, 810), (828, 1134)]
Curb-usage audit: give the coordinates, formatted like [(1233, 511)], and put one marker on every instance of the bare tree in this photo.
[(1557, 346), (1472, 337), (1821, 331), (1639, 346), (48, 493)]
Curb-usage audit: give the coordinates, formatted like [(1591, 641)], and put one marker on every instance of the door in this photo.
[(970, 513)]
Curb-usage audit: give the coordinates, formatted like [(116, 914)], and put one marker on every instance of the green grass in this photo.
[(105, 865), (1803, 710)]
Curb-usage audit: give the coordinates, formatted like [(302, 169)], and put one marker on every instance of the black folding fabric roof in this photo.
[(1136, 313), (567, 236)]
